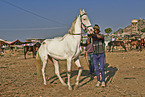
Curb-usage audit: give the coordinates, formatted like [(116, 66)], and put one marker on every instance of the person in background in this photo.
[(89, 50), (98, 54)]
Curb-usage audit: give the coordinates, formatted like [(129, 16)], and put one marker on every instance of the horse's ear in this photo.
[(80, 11), (83, 10)]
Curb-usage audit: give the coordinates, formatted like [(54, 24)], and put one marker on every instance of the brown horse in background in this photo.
[(136, 43), (116, 43), (32, 47)]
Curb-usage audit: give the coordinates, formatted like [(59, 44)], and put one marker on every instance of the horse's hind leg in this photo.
[(77, 62), (112, 48), (124, 48), (56, 65), (43, 70)]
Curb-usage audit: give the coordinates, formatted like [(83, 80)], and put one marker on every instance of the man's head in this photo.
[(96, 28)]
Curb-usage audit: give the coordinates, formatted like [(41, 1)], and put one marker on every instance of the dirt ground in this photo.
[(125, 76)]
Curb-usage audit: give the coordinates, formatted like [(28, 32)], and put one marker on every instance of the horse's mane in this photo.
[(72, 28)]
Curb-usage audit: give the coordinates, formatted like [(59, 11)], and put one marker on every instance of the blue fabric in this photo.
[(100, 58)]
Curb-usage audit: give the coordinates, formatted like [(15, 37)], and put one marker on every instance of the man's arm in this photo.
[(99, 36)]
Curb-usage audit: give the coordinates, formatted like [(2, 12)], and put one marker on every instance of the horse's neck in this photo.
[(78, 29), (75, 28), (76, 33), (78, 26)]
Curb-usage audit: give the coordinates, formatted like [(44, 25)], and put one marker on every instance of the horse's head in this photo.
[(37, 44), (85, 22)]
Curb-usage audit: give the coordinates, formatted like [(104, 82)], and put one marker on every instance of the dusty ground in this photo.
[(125, 76)]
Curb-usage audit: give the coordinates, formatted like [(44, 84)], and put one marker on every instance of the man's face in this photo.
[(96, 31)]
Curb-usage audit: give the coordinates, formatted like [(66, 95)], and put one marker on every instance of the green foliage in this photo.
[(108, 30), (122, 31)]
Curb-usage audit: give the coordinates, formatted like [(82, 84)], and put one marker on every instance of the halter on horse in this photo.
[(66, 48)]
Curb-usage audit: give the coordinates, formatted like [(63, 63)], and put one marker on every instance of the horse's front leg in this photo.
[(56, 65), (124, 48), (77, 62), (25, 51), (25, 55), (112, 48), (69, 73), (34, 51)]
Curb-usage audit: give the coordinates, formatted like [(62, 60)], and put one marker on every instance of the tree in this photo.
[(108, 31), (143, 30)]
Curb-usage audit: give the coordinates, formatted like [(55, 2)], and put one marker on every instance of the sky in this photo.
[(25, 19)]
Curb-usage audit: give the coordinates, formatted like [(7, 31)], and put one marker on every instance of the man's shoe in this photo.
[(103, 84), (98, 84)]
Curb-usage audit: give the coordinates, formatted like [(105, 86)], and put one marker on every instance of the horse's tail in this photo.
[(38, 64)]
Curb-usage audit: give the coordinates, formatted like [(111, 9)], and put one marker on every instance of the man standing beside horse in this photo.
[(99, 54)]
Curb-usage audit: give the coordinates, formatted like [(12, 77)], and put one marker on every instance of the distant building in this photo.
[(119, 32), (135, 28)]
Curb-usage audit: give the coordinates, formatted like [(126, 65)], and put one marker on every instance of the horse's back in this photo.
[(115, 43), (119, 43), (110, 43), (134, 42)]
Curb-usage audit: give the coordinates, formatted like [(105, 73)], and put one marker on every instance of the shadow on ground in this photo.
[(110, 72)]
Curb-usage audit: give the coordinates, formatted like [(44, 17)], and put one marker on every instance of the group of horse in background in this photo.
[(133, 44), (139, 44), (26, 46)]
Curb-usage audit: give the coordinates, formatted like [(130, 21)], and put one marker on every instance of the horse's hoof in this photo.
[(47, 86), (76, 87), (70, 88), (64, 84)]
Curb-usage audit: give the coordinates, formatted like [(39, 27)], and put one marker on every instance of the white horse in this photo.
[(64, 48)]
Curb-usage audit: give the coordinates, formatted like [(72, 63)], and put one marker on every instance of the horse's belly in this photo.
[(58, 52), (77, 53)]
